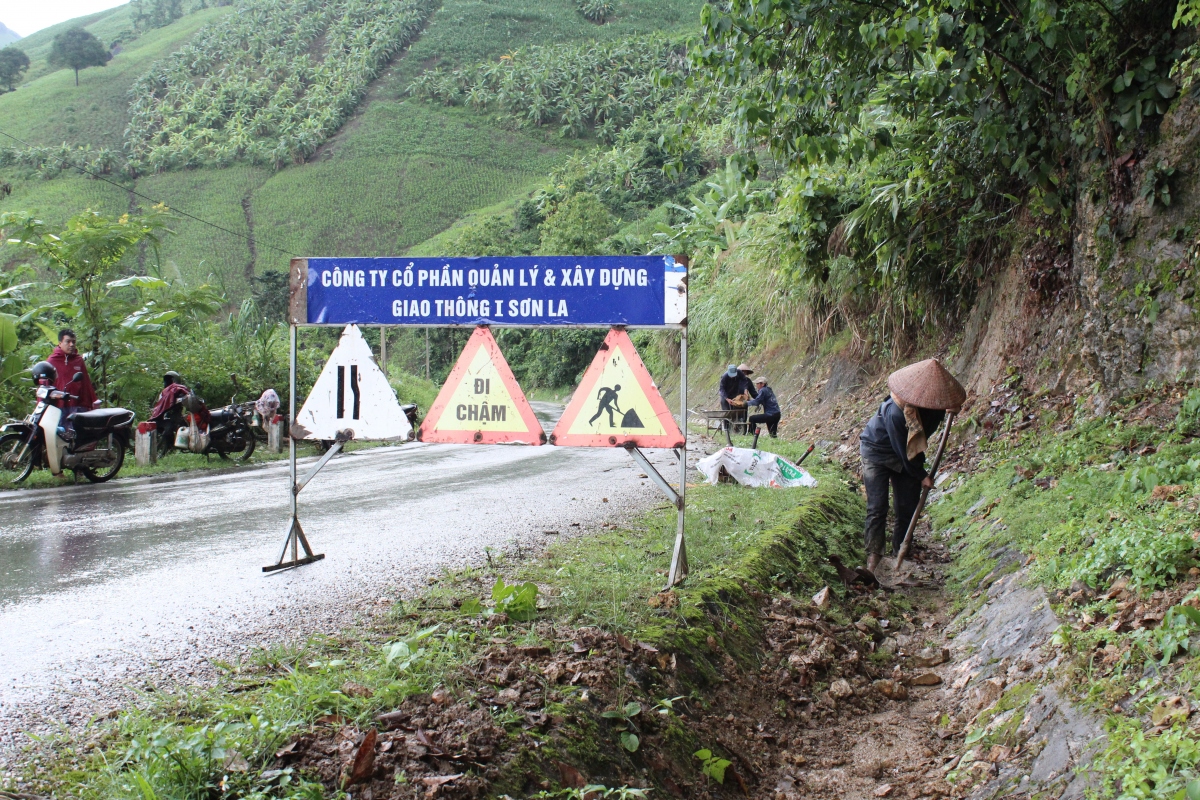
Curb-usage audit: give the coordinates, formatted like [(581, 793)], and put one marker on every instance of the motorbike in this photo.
[(91, 443), (227, 432)]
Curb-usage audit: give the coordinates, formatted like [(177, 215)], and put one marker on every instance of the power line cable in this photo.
[(250, 240)]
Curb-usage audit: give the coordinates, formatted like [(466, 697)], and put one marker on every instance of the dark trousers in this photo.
[(738, 415), (772, 421), (906, 493)]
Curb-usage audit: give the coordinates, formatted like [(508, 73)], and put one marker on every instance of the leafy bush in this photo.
[(630, 177), (597, 11), (268, 83), (518, 601), (578, 87), (1150, 555), (1188, 418), (578, 227)]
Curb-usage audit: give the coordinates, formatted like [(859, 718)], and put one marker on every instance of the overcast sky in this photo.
[(26, 17)]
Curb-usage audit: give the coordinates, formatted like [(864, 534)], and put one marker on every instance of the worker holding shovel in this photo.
[(893, 445)]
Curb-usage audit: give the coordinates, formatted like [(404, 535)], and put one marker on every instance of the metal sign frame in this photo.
[(298, 318)]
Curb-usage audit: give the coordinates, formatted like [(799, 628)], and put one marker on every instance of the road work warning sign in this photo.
[(481, 403), (352, 393), (617, 403)]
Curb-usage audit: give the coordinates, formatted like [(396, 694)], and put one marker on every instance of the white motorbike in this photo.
[(91, 443)]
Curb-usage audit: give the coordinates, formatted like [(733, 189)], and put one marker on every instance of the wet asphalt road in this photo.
[(147, 580)]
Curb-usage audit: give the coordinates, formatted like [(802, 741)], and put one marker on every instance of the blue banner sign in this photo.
[(559, 291)]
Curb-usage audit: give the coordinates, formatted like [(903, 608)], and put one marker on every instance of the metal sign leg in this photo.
[(679, 561), (295, 534)]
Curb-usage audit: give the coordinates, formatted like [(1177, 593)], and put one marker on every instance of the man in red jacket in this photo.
[(67, 361)]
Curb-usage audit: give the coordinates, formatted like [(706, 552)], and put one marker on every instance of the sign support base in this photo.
[(679, 560), (295, 540)]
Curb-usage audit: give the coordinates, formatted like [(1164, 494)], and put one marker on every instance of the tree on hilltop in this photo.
[(13, 63), (77, 49)]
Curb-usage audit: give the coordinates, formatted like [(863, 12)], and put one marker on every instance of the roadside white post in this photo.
[(145, 445), (275, 433)]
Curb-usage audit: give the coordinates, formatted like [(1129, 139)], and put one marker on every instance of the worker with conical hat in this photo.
[(893, 444)]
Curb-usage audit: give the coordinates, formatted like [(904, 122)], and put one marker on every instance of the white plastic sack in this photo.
[(755, 468)]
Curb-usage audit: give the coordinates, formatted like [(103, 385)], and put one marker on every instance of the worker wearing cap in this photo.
[(893, 444), (735, 388), (765, 398)]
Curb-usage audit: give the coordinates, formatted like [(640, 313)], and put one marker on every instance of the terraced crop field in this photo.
[(396, 174)]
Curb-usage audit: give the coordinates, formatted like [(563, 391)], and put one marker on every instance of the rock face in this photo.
[(1009, 668), (1116, 305)]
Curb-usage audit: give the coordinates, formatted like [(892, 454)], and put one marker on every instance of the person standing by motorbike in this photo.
[(68, 363), (167, 414)]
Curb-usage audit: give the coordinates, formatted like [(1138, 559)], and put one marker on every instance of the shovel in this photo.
[(912, 525)]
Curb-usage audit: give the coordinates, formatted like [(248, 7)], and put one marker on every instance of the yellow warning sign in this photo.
[(617, 402), (480, 403)]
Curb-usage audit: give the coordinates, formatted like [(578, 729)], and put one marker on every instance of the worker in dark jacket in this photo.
[(735, 384), (893, 444), (765, 398), (735, 389)]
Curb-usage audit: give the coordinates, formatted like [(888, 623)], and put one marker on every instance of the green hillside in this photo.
[(397, 173), (47, 109)]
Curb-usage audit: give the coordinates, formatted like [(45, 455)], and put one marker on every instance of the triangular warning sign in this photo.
[(352, 393), (480, 403), (617, 403)]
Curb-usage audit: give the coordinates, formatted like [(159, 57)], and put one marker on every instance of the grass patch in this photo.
[(415, 389), (1082, 502)]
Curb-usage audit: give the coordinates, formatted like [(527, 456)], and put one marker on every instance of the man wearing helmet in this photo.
[(68, 363)]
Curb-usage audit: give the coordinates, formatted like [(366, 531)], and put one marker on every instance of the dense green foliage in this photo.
[(267, 84), (909, 135), (580, 88), (13, 64), (131, 329), (46, 110), (149, 14)]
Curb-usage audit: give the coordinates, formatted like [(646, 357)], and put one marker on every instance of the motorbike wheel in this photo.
[(243, 455), (110, 473), (15, 466)]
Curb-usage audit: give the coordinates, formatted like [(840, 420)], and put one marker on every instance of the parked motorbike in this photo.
[(91, 443), (192, 427)]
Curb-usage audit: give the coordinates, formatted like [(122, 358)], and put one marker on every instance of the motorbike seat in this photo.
[(102, 419)]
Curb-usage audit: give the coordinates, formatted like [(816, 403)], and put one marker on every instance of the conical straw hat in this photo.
[(927, 384)]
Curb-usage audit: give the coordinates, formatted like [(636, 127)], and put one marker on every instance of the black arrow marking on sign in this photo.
[(354, 386), (341, 393)]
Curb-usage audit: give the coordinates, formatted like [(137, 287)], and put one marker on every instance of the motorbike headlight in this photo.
[(43, 392)]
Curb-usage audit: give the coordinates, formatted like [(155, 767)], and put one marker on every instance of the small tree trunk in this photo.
[(76, 77)]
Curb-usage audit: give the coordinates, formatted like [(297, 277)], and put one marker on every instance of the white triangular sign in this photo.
[(352, 394)]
